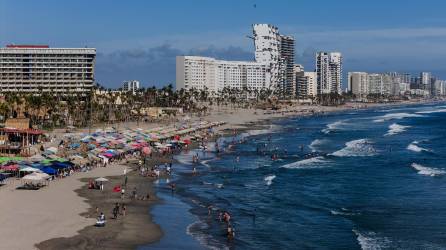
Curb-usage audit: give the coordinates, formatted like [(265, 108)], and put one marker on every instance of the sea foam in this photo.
[(333, 126), (313, 162), (269, 179), (396, 129), (423, 170), (371, 241), (395, 116), (317, 143), (432, 111), (413, 146), (361, 147)]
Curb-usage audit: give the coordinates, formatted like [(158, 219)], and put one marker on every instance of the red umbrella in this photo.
[(117, 189), (10, 168)]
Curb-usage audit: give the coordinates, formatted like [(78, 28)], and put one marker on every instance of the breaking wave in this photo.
[(317, 143), (396, 129), (395, 116), (361, 147), (344, 212), (423, 170), (432, 111), (314, 162), (333, 126), (413, 146), (269, 179), (371, 241)]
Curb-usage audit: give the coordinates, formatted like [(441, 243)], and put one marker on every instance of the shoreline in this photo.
[(233, 122)]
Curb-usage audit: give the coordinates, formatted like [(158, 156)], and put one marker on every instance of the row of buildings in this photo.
[(273, 68), (363, 84)]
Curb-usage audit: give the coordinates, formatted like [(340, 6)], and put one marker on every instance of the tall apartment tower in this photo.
[(329, 72), (267, 48), (287, 64), (426, 81), (358, 83), (278, 51)]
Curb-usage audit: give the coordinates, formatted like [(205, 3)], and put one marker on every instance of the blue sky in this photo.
[(139, 39)]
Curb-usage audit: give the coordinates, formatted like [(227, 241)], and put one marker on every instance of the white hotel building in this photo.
[(206, 72), (35, 68), (272, 68)]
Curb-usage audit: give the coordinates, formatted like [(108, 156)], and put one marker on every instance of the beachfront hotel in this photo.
[(329, 72), (36, 68), (272, 68), (212, 74)]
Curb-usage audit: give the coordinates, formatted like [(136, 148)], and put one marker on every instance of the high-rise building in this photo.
[(214, 75), (306, 84), (130, 86), (278, 51), (287, 64), (375, 83), (358, 83), (267, 49), (273, 67), (440, 87), (39, 68), (297, 68), (329, 72)]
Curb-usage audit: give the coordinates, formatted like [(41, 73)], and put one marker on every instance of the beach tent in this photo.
[(37, 177), (101, 179), (30, 169), (59, 165), (49, 170)]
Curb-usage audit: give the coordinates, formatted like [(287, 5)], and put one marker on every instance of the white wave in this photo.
[(271, 129), (371, 241), (269, 179), (395, 116), (413, 146), (333, 126), (432, 111), (317, 143), (396, 129), (205, 163), (423, 170), (314, 162), (344, 212), (361, 147)]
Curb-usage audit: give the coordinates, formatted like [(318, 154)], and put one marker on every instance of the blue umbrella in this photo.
[(49, 170)]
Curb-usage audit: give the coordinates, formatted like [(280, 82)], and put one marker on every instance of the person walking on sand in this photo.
[(124, 210), (134, 193), (115, 211), (122, 193)]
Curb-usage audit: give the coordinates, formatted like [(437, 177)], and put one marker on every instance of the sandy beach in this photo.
[(54, 211)]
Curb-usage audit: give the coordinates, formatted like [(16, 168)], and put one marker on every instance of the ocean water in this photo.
[(370, 179)]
